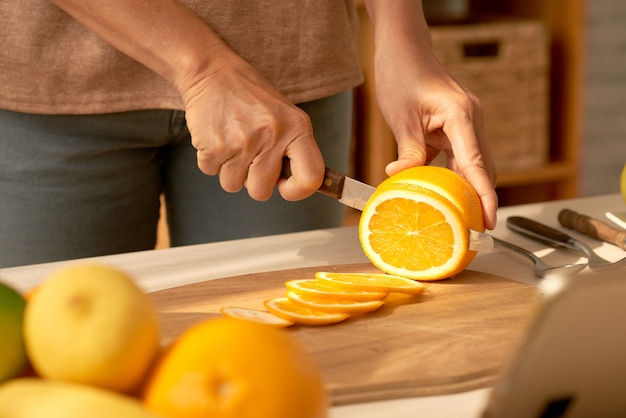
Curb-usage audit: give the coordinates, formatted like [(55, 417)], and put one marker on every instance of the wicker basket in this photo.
[(506, 64)]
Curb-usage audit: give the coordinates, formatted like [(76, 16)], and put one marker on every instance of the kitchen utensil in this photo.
[(355, 194), (541, 268), (619, 218), (555, 238), (594, 228), (337, 185)]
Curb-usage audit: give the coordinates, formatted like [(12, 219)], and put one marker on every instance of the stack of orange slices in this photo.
[(416, 224), (328, 299)]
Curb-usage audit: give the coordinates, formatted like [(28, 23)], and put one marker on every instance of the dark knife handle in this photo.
[(538, 231), (594, 228), (332, 184)]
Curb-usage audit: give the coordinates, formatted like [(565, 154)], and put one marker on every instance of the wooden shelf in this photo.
[(549, 173), (559, 178)]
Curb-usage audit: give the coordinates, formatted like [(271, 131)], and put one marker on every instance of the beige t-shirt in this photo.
[(51, 64)]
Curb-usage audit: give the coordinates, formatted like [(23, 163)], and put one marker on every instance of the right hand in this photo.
[(239, 123), (242, 127)]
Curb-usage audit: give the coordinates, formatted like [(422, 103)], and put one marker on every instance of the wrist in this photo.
[(192, 65)]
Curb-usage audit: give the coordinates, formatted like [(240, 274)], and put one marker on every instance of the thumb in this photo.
[(411, 153)]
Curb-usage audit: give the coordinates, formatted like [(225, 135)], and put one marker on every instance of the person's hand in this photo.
[(242, 127), (430, 113), (240, 124), (426, 109)]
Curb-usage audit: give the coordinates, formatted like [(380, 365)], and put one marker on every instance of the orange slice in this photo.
[(333, 306), (319, 290), (373, 282), (286, 309), (255, 315), (416, 224)]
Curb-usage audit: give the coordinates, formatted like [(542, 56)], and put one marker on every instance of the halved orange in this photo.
[(255, 315), (334, 305), (372, 282), (286, 309), (416, 224), (319, 290)]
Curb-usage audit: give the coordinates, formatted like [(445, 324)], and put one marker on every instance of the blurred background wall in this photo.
[(604, 148)]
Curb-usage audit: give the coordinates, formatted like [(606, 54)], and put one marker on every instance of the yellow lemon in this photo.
[(13, 358), (43, 398), (231, 368), (416, 224), (91, 324)]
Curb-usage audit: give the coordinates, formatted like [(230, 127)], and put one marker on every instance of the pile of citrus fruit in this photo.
[(85, 343)]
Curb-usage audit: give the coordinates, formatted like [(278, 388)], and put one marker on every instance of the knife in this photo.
[(355, 194), (594, 228), (618, 218)]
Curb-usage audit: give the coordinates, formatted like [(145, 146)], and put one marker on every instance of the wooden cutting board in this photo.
[(454, 337)]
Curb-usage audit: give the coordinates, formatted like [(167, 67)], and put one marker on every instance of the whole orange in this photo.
[(231, 368), (417, 222)]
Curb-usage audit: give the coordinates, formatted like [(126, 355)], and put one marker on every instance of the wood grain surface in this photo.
[(454, 337)]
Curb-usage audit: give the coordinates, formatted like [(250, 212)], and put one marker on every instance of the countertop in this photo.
[(167, 268)]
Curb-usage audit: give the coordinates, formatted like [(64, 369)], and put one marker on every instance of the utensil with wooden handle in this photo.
[(592, 227), (555, 238)]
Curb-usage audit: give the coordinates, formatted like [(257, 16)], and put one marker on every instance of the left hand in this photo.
[(427, 110), (429, 113)]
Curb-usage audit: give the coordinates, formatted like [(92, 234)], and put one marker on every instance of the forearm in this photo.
[(399, 23), (163, 35), (240, 124), (427, 110)]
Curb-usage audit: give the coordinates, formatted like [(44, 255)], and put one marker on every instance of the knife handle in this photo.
[(538, 231), (332, 184), (594, 228)]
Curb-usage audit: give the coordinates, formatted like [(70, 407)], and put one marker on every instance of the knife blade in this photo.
[(337, 185), (618, 218), (355, 194)]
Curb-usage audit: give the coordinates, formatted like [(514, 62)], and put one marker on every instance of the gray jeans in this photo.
[(82, 186)]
